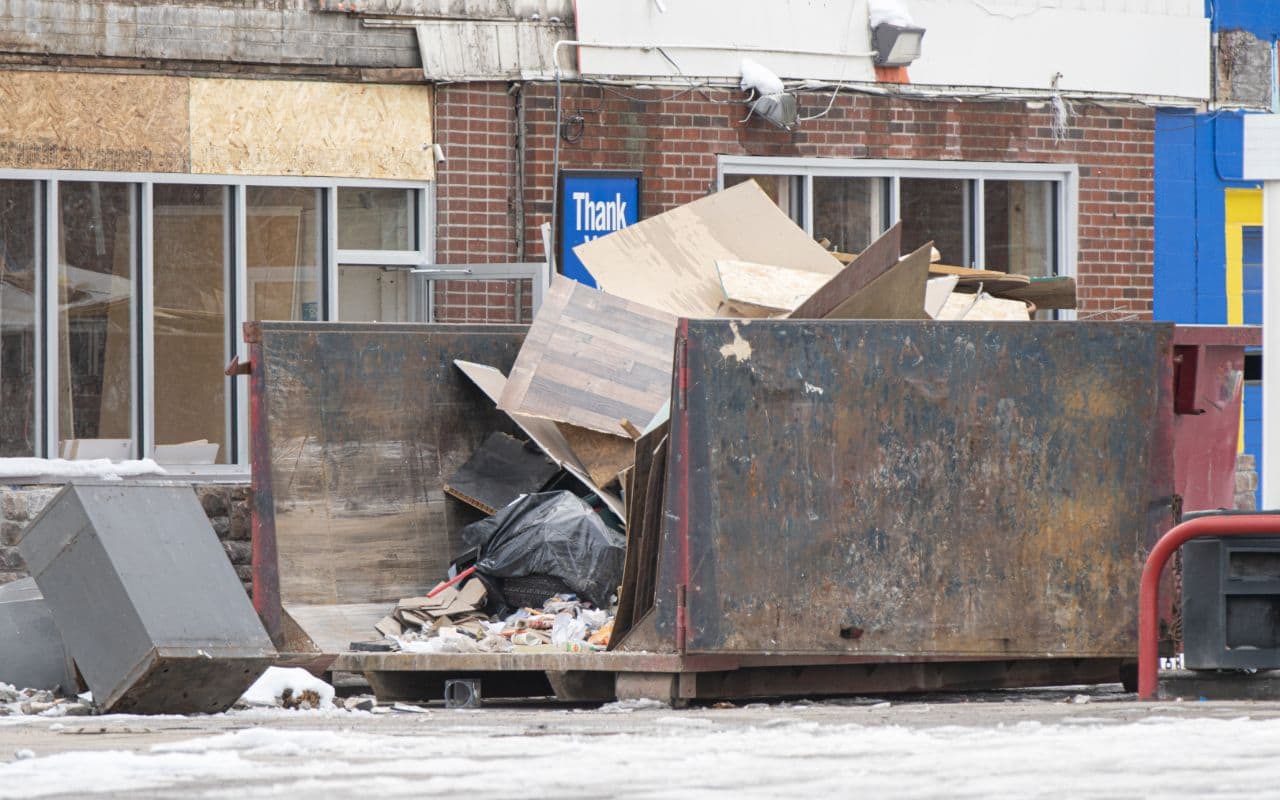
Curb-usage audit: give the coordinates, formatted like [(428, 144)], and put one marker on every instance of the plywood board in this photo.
[(592, 360), (604, 455), (668, 262), (250, 127), (117, 123), (870, 264), (543, 432), (766, 287)]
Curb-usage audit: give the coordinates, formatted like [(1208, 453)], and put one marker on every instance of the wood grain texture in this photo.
[(592, 360), (243, 127), (668, 261)]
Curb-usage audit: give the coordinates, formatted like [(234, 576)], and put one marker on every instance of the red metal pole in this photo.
[(1149, 593)]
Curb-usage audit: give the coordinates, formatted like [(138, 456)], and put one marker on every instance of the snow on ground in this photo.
[(666, 754), (289, 687)]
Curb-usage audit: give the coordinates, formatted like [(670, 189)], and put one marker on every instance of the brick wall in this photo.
[(674, 136), (226, 505)]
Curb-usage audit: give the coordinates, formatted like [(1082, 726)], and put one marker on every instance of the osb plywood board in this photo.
[(247, 127), (118, 123), (668, 262)]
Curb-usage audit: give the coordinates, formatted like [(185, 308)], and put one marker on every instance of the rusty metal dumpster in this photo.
[(848, 506)]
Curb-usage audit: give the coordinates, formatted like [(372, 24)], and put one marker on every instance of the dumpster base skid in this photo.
[(677, 680)]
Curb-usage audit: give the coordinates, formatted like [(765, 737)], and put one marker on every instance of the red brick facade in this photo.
[(674, 136)]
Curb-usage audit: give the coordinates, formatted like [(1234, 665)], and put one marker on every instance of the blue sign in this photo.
[(593, 204)]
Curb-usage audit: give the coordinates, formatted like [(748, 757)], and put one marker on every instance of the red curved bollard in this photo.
[(1149, 593)]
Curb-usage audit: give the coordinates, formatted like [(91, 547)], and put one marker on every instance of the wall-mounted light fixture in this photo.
[(896, 45)]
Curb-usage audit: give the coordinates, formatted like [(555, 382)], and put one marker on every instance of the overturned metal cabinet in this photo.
[(146, 601), (32, 655)]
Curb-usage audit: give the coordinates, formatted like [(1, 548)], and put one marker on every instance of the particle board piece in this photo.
[(668, 262), (79, 120), (250, 127), (501, 469), (591, 360), (764, 290), (870, 264), (543, 432), (936, 292), (1047, 293), (603, 454)]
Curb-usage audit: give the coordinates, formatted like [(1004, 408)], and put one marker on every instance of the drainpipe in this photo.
[(517, 92)]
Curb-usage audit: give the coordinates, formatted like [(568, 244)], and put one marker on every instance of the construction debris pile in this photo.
[(574, 505), (42, 702), (453, 621)]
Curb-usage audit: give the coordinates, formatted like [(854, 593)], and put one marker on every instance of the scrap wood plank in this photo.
[(500, 470), (972, 280), (897, 293), (668, 261), (1058, 291), (644, 529), (591, 360), (870, 264), (759, 290), (542, 432)]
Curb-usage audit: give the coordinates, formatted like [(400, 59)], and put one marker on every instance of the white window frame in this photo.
[(1067, 176), (143, 390)]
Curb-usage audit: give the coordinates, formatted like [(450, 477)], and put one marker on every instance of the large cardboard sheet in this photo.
[(668, 262)]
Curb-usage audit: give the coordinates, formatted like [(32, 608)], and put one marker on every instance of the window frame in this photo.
[(1065, 176), (47, 183)]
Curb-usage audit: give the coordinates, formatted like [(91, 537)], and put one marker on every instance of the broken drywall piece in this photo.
[(936, 292), (668, 262), (591, 359), (764, 290), (984, 307)]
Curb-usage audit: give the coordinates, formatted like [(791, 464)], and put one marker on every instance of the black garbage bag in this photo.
[(555, 534)]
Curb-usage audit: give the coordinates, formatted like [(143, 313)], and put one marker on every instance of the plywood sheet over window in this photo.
[(115, 123), (243, 127)]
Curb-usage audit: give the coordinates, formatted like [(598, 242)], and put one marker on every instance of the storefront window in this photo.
[(19, 215), (374, 294), (375, 219), (97, 251), (938, 211), (283, 250), (1018, 226), (189, 228), (849, 212)]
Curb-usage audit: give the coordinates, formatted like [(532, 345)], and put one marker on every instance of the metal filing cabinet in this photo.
[(145, 598)]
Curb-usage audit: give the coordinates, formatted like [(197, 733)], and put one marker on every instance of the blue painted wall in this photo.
[(1197, 156), (1259, 17)]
